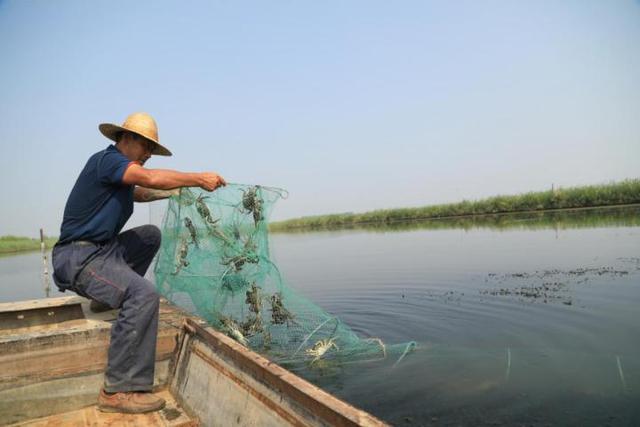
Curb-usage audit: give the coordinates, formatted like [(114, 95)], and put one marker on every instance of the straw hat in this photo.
[(141, 124)]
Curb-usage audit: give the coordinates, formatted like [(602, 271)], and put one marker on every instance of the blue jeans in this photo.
[(112, 273)]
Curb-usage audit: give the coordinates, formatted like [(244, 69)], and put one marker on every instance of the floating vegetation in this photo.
[(547, 292), (546, 286), (544, 274)]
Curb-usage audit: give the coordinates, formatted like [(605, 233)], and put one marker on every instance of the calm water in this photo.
[(530, 321)]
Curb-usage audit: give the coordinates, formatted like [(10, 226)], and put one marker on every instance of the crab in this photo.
[(192, 230), (239, 260), (203, 210), (279, 314), (252, 326), (233, 330), (247, 255), (254, 299), (236, 262), (249, 198), (320, 348), (252, 203), (181, 258)]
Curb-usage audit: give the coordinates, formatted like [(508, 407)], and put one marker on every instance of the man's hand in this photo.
[(211, 180)]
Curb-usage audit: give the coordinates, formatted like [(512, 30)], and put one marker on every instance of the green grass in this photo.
[(11, 244), (619, 216), (621, 193)]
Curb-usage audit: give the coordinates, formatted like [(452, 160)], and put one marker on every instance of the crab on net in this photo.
[(215, 262)]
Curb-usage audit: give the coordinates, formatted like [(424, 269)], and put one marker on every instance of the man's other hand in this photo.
[(211, 181)]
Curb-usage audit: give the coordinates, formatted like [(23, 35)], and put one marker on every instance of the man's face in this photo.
[(139, 149)]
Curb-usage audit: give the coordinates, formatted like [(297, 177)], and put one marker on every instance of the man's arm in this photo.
[(163, 179), (142, 194)]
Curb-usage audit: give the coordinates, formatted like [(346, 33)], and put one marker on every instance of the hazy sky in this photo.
[(349, 105)]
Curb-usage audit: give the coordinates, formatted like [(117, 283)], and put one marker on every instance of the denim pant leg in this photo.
[(132, 353), (109, 279), (140, 245)]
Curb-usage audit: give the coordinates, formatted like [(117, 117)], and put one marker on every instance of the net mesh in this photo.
[(215, 262)]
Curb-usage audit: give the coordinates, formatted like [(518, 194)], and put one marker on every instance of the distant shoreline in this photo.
[(17, 244), (505, 220), (615, 195), (625, 193)]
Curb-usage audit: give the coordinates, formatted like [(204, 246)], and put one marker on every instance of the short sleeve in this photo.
[(111, 167)]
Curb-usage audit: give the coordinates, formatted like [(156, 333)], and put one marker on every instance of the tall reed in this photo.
[(621, 193)]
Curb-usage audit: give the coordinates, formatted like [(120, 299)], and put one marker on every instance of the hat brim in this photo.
[(112, 132)]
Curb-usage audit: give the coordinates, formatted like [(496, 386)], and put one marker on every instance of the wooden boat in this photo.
[(53, 354)]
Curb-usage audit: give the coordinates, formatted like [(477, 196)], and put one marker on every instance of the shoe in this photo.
[(132, 402), (98, 307)]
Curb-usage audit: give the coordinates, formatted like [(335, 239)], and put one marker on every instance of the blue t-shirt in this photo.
[(99, 204)]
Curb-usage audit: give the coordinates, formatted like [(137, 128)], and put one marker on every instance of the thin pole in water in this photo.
[(45, 274), (508, 372), (624, 384)]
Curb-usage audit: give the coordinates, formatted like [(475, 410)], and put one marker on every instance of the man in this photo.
[(95, 260)]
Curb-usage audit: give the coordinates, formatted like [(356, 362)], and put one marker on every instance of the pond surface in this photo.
[(526, 321), (22, 278), (530, 320)]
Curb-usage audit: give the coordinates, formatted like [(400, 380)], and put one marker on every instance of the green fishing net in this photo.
[(215, 262)]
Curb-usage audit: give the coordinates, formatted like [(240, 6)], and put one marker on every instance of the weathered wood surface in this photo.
[(40, 303), (224, 383), (59, 395), (39, 312), (49, 368), (55, 370), (171, 416), (77, 347)]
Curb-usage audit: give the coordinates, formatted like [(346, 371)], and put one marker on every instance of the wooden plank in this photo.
[(47, 369), (244, 363), (265, 405), (77, 347), (173, 415), (60, 395), (12, 319), (40, 303), (85, 354)]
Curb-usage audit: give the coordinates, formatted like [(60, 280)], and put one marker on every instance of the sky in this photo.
[(349, 105)]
